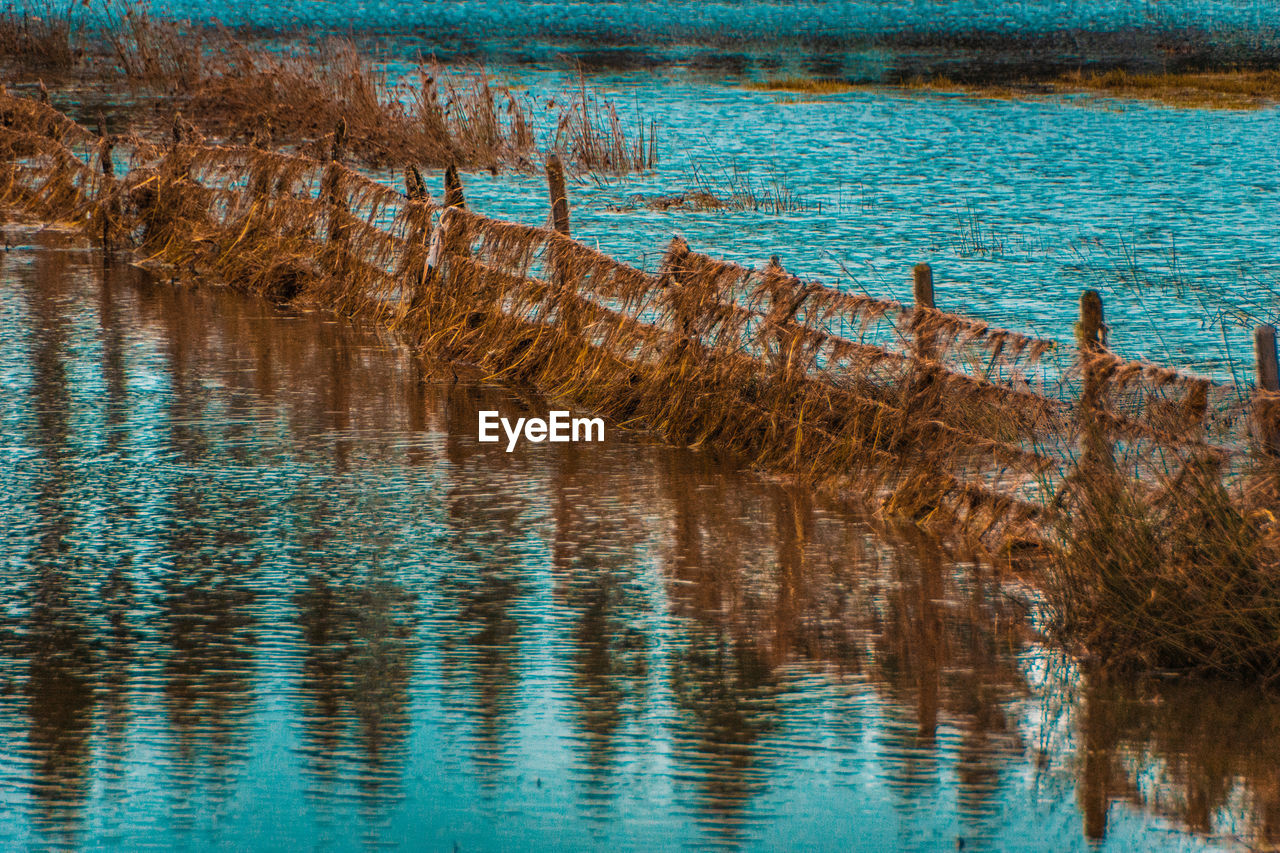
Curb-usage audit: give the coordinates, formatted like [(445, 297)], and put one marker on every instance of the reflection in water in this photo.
[(358, 640), (261, 587)]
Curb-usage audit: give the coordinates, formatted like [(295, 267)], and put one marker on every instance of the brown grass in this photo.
[(1182, 577), (804, 85), (40, 36), (1242, 89), (209, 84), (1206, 89)]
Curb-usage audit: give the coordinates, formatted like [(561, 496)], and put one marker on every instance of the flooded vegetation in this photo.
[(939, 485)]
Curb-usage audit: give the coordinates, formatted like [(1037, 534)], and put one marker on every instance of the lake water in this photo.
[(260, 588)]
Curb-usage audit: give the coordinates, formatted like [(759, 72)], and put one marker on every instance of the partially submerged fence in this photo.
[(939, 416)]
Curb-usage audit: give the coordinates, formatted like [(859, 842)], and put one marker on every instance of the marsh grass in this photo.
[(232, 90), (1181, 575), (40, 36), (590, 132), (1242, 89)]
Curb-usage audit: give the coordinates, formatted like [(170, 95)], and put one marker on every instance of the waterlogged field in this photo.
[(260, 587)]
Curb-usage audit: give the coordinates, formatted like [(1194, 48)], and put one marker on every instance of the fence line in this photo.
[(939, 417)]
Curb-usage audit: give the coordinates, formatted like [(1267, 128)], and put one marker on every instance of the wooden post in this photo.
[(453, 188), (1097, 457), (1264, 353), (414, 187), (339, 150), (559, 262), (1268, 381), (559, 199), (1093, 331), (439, 245), (923, 285), (922, 289), (331, 186)]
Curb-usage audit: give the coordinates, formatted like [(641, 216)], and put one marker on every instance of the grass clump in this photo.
[(230, 90), (804, 85), (40, 36), (1185, 578)]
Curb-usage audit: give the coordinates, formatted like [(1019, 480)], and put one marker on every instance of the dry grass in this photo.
[(236, 91), (1240, 89), (40, 37), (151, 49), (1206, 89), (1184, 577), (590, 133), (1199, 90), (805, 85)]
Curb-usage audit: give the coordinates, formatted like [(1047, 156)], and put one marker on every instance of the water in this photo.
[(260, 588), (731, 23)]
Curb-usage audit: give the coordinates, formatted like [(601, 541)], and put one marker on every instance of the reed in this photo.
[(238, 91), (150, 49), (590, 133), (40, 36), (1182, 577)]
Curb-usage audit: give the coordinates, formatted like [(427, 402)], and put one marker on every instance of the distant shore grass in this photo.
[(1205, 89), (1233, 90), (806, 85)]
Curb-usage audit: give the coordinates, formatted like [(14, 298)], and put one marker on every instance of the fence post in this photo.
[(922, 290), (922, 276), (1092, 332), (559, 261), (1097, 454), (331, 185), (559, 199), (108, 201), (439, 245), (453, 188), (415, 188), (1268, 381)]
